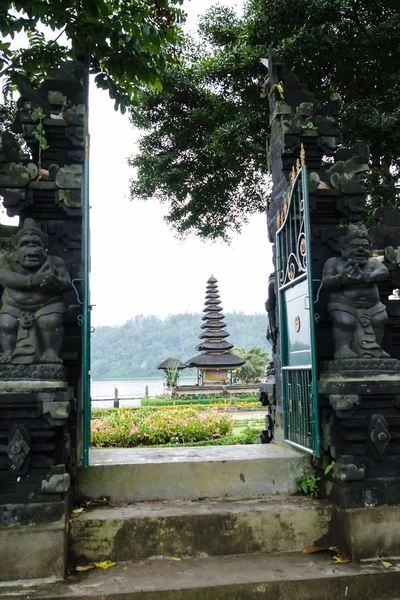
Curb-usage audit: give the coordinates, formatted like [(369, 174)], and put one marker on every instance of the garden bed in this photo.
[(130, 427)]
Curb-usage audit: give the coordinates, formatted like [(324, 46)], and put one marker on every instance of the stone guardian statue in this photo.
[(357, 315), (31, 316)]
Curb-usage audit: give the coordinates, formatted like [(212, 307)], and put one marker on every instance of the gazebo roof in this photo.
[(172, 363)]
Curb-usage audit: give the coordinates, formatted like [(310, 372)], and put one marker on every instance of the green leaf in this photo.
[(304, 487), (329, 468)]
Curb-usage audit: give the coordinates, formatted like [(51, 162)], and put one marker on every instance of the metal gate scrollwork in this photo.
[(294, 278)]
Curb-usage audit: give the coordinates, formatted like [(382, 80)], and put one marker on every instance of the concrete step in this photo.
[(292, 576), (148, 474), (205, 528)]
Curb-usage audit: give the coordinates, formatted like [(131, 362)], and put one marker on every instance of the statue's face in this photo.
[(30, 251), (359, 250)]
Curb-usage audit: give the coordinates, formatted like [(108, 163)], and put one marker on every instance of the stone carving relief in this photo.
[(348, 172)]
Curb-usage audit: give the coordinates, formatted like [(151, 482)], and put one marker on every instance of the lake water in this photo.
[(135, 388)]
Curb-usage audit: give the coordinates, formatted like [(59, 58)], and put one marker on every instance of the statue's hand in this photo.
[(47, 278), (51, 283), (351, 273)]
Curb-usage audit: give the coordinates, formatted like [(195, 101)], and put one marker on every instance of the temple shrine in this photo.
[(215, 363)]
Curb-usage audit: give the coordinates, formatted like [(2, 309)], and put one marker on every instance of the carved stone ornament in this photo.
[(379, 433), (361, 367), (347, 174), (344, 404), (57, 484), (17, 450), (33, 372), (347, 469), (329, 439)]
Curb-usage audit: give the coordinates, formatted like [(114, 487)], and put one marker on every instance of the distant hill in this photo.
[(136, 348)]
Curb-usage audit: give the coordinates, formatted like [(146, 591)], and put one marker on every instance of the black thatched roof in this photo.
[(212, 280), (218, 361), (213, 309), (214, 346), (213, 335), (170, 363), (212, 316), (213, 325)]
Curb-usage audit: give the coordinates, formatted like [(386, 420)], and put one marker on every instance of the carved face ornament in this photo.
[(30, 251), (358, 249)]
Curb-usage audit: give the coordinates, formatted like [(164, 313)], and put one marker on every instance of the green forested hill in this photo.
[(137, 347)]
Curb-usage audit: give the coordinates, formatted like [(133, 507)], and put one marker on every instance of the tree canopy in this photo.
[(203, 148), (255, 366), (128, 43)]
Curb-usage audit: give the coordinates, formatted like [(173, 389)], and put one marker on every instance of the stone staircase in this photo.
[(212, 523)]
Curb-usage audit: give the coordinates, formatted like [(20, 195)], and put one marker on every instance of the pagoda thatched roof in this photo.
[(212, 308), (212, 335), (212, 316), (217, 361), (221, 346), (213, 325)]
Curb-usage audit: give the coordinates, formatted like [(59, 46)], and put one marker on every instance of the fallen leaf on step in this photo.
[(340, 558), (385, 563), (175, 558), (84, 567), (105, 564), (96, 502), (76, 512), (311, 549)]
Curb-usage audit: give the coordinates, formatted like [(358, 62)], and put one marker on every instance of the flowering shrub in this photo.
[(98, 413), (125, 428)]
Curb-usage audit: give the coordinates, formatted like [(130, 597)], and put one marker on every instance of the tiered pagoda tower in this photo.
[(215, 363)]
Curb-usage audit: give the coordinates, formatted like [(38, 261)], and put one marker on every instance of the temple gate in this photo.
[(346, 274)]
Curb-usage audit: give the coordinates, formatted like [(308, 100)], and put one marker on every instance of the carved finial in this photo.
[(285, 207), (302, 155), (293, 175), (298, 166)]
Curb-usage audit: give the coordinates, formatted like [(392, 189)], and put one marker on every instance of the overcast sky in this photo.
[(138, 267)]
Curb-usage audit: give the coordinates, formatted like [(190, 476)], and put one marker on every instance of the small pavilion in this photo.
[(171, 367), (215, 363)]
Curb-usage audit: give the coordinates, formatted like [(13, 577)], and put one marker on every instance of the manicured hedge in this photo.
[(240, 400), (127, 428)]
